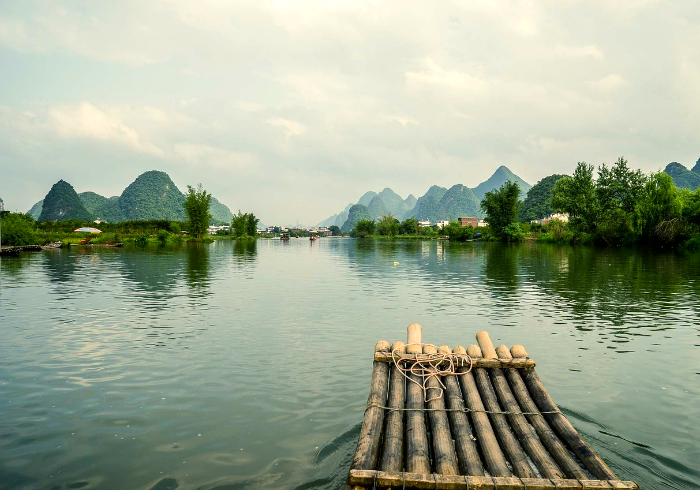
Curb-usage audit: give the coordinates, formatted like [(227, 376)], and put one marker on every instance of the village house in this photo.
[(473, 222)]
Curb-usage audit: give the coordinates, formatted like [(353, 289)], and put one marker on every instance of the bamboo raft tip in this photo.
[(445, 418)]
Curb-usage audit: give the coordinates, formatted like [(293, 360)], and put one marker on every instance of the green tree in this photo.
[(196, 206), (388, 226), (239, 225), (252, 224), (659, 208), (409, 227), (576, 196), (17, 229), (363, 228), (335, 230), (501, 207)]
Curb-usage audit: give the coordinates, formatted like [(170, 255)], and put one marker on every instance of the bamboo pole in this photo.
[(560, 423), (505, 435), (484, 363), (452, 482), (465, 448), (494, 460), (444, 458), (417, 450), (392, 457), (549, 439), (367, 451), (528, 439)]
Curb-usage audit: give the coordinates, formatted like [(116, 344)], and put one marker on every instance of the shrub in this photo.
[(513, 233), (18, 229)]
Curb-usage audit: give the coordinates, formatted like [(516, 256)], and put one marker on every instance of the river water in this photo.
[(247, 365)]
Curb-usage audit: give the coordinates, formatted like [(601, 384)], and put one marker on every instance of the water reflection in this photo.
[(198, 266), (501, 269), (245, 252)]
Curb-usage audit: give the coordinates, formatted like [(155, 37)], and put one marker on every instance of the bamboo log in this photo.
[(417, 450), (465, 448), (414, 339), (494, 460), (528, 439), (392, 457), (505, 435), (453, 482), (484, 363), (549, 439), (561, 424), (367, 451), (444, 458)]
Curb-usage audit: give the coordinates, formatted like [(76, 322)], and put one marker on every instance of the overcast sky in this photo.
[(292, 109)]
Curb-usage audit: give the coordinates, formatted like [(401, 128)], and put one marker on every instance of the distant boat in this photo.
[(284, 237)]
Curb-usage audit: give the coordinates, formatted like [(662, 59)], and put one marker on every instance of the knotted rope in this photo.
[(428, 366)]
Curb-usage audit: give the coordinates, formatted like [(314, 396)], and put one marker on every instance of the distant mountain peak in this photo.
[(497, 179), (696, 168)]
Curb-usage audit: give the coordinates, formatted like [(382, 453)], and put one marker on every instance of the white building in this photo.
[(213, 229), (424, 223), (442, 224)]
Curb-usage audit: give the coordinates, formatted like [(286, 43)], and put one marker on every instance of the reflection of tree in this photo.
[(501, 268), (245, 252), (60, 265), (12, 266), (197, 265)]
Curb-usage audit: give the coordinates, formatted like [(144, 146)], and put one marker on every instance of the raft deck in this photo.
[(476, 418)]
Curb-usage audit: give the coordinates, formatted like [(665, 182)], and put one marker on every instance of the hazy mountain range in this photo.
[(437, 204), (153, 195)]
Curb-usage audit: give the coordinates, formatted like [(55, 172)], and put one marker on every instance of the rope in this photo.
[(429, 366), (465, 410)]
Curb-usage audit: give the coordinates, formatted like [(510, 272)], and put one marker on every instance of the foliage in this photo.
[(175, 227), (17, 229), (538, 202), (244, 225), (92, 201), (501, 207), (513, 233), (141, 240), (659, 209), (388, 226), (409, 227), (163, 236), (363, 228), (335, 231), (63, 203), (197, 208), (576, 197)]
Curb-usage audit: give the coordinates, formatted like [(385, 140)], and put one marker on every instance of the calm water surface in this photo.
[(247, 365)]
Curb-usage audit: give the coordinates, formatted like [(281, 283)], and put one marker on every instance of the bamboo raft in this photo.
[(461, 419)]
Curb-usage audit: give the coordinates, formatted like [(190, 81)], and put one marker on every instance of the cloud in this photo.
[(215, 158), (292, 128), (436, 76), (588, 50), (609, 83)]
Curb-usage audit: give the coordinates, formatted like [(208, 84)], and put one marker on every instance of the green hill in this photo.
[(696, 168), (92, 200), (537, 203), (377, 208), (110, 211), (356, 213), (35, 211), (683, 177), (220, 213), (427, 203), (500, 177), (62, 203), (366, 198), (153, 195)]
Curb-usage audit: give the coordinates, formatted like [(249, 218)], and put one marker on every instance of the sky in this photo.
[(293, 109)]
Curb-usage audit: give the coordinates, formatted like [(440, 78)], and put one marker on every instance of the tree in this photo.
[(576, 196), (18, 229), (252, 224), (335, 230), (501, 207), (409, 227), (197, 205), (659, 208), (363, 228), (240, 225), (388, 225)]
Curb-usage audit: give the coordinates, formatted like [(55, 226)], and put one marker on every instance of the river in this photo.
[(246, 364)]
